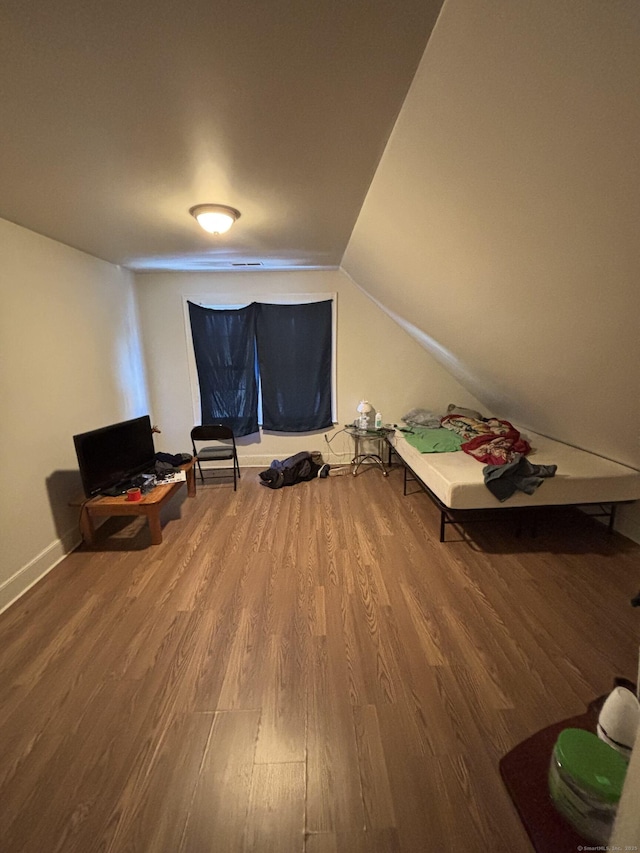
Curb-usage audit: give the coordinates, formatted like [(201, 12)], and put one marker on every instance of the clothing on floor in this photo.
[(301, 467)]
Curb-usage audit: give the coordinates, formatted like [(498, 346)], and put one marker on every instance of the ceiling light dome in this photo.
[(215, 218)]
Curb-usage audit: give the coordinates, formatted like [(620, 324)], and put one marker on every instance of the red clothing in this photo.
[(497, 449)]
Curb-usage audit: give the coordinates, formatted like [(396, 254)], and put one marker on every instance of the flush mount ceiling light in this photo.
[(215, 218)]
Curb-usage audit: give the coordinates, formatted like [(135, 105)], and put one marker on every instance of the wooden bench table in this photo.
[(149, 505)]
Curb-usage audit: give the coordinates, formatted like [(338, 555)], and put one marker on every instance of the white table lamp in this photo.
[(364, 409)]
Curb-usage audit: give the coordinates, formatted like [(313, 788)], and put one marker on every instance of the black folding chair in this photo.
[(224, 448)]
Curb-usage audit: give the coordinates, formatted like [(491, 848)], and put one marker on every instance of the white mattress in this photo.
[(456, 478)]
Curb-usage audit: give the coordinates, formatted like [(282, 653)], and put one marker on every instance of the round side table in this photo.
[(362, 454)]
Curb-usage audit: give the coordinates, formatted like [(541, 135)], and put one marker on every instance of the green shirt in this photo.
[(433, 440)]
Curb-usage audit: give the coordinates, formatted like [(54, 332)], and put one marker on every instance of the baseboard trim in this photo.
[(15, 587)]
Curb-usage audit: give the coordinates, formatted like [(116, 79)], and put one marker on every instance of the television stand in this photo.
[(149, 505)]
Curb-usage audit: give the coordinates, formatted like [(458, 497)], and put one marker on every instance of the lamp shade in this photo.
[(215, 218), (364, 410)]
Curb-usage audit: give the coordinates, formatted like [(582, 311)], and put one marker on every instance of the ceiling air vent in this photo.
[(245, 264)]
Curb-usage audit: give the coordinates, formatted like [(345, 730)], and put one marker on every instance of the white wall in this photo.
[(70, 361), (503, 218), (375, 358)]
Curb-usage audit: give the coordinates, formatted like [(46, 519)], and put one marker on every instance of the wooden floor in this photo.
[(300, 670)]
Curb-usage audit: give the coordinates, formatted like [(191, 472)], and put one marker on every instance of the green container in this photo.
[(586, 776)]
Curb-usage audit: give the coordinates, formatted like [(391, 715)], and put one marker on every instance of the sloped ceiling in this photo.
[(502, 225), (117, 117)]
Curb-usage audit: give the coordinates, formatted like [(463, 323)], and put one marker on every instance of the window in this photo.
[(266, 362)]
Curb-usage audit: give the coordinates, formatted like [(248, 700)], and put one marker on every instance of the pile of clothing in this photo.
[(490, 440), (495, 442), (301, 467)]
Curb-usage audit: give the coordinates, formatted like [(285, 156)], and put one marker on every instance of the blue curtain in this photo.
[(294, 354), (224, 344), (288, 346)]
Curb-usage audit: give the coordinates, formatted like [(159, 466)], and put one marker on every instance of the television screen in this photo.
[(111, 456)]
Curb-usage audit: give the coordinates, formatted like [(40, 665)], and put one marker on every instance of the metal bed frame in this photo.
[(455, 517)]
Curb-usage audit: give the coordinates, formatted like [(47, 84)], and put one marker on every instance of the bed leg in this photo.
[(612, 517), (441, 525)]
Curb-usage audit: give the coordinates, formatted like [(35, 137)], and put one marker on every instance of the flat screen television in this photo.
[(110, 457)]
